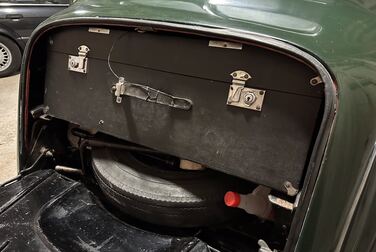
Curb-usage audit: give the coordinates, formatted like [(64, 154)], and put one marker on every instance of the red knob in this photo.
[(232, 199)]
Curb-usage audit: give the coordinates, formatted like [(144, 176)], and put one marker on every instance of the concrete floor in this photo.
[(8, 127)]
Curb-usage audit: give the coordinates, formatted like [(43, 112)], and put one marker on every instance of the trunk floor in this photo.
[(47, 211)]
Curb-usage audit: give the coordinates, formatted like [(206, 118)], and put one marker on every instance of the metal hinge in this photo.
[(240, 96), (40, 112), (79, 63)]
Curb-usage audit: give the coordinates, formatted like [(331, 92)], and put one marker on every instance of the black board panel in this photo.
[(267, 147), (191, 56)]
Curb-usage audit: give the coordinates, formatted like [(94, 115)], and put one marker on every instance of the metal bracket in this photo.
[(40, 112), (240, 96), (122, 88), (291, 191), (281, 202), (315, 81), (264, 247), (225, 44), (297, 200), (79, 63)]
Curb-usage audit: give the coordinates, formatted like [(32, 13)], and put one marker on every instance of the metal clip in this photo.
[(243, 97), (119, 89), (79, 63)]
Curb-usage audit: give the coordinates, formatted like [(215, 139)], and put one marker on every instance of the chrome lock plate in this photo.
[(240, 96), (79, 63)]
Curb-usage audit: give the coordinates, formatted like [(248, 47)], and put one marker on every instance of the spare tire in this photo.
[(166, 197)]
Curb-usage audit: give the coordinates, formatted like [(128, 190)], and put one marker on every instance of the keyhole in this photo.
[(249, 98)]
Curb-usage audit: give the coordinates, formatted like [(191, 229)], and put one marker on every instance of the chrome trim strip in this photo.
[(359, 193)]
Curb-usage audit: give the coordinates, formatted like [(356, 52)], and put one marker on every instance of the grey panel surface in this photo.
[(267, 147)]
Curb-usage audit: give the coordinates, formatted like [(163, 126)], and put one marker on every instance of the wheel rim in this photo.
[(5, 57)]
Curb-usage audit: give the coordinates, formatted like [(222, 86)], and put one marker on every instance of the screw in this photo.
[(101, 122), (258, 107), (234, 75), (246, 76), (261, 92)]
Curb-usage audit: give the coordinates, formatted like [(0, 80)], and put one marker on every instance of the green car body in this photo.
[(340, 215)]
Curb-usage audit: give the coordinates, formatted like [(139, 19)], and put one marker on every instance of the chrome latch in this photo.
[(79, 63), (244, 97)]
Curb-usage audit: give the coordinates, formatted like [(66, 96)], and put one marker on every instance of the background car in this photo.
[(18, 18)]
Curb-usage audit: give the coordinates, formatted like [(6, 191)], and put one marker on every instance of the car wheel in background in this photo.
[(10, 57)]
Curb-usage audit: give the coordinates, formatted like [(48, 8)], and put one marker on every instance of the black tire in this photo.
[(175, 198), (10, 57)]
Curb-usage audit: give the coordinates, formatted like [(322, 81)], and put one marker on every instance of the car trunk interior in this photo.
[(139, 116)]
